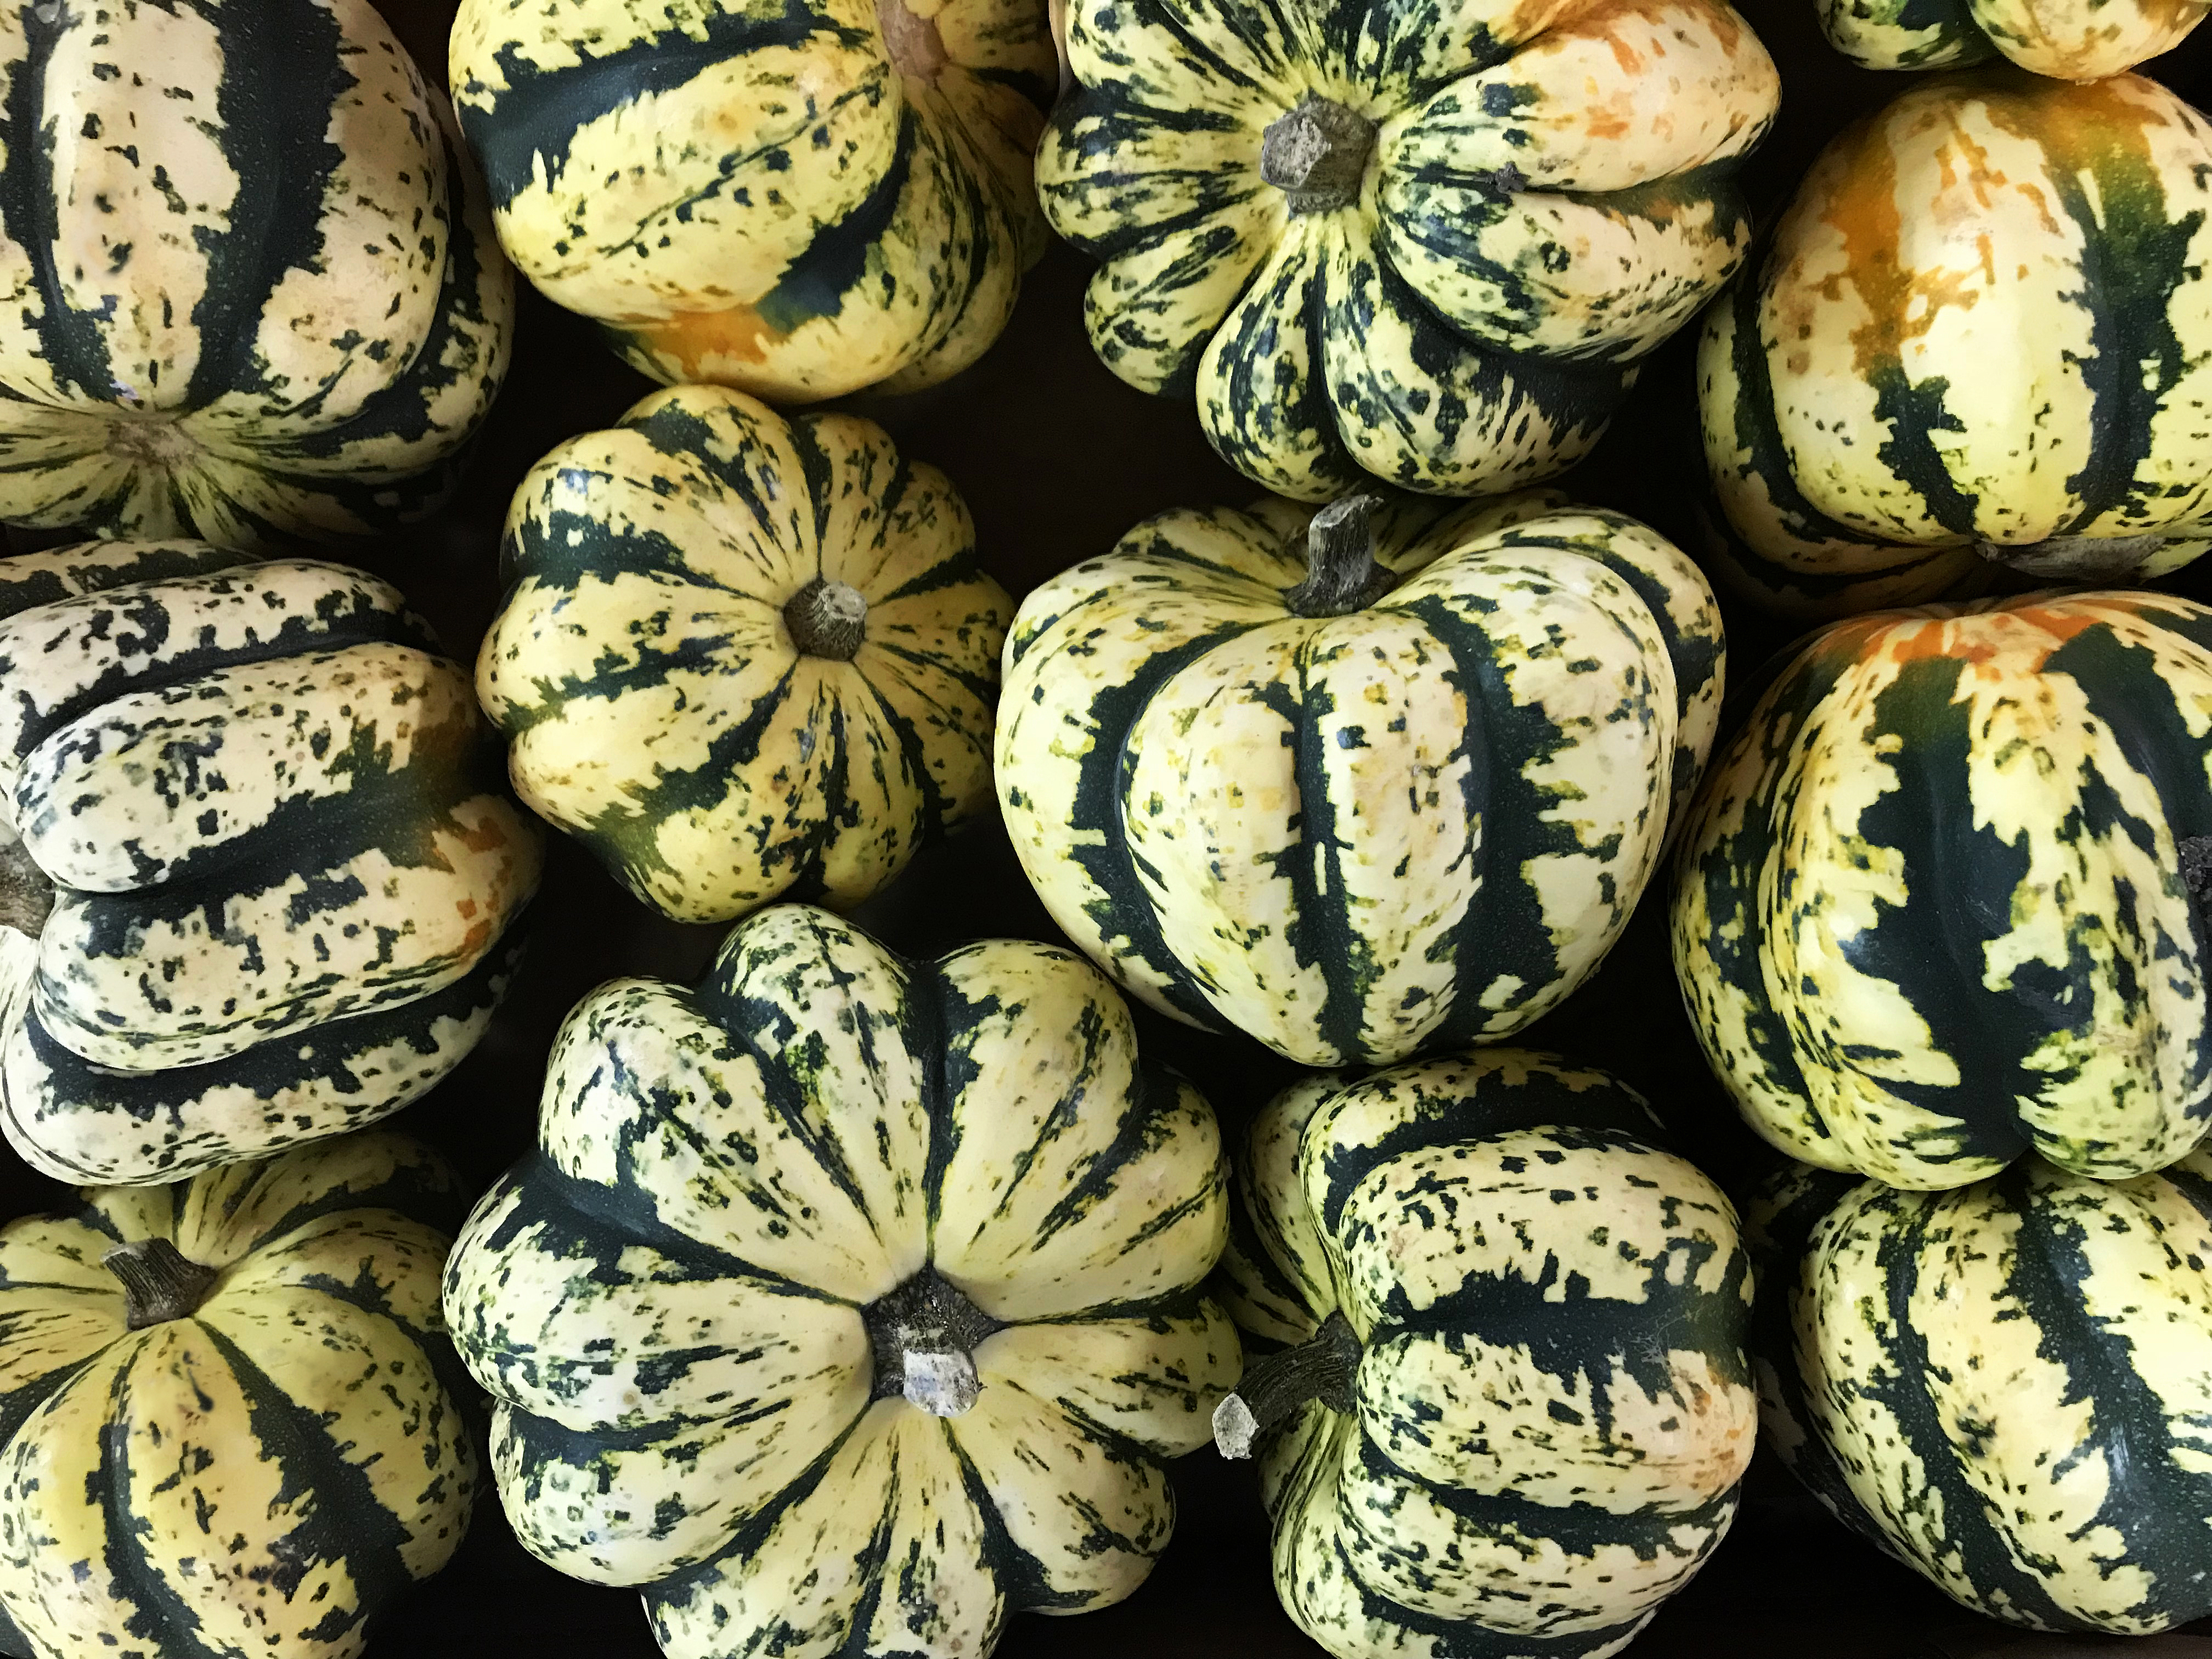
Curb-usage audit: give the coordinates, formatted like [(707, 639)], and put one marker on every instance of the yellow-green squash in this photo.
[(742, 658), (248, 288), (1982, 332), (795, 200), (230, 1420), (2072, 40), (1426, 242)]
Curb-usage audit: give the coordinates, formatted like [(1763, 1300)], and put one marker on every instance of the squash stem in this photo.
[(2076, 558), (1316, 155), (922, 1337), (26, 897), (1341, 575), (1323, 1369), (159, 1282), (827, 619)]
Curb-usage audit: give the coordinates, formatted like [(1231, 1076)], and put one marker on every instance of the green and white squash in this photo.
[(257, 876), (2003, 1385), (1890, 399), (1422, 241), (230, 1419), (248, 288), (2072, 40), (1385, 778), (744, 660), (797, 200), (848, 1304), (1508, 1405), (1941, 902)]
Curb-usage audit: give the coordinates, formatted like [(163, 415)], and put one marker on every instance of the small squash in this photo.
[(743, 660), (1941, 902), (1423, 243), (1360, 782), (1889, 402), (251, 293), (1508, 1405), (229, 1417), (798, 201), (2001, 1385), (257, 871), (849, 1303), (2072, 40)]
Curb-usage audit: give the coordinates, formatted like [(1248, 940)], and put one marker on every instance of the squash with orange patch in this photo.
[(2072, 40), (797, 201), (1943, 904), (1980, 335), (1426, 242), (1496, 1377)]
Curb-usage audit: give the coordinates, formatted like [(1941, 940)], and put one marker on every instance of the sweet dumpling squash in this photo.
[(2072, 40), (848, 1304)]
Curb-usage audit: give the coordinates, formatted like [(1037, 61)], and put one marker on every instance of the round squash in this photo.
[(744, 660), (797, 201), (2073, 39), (229, 1416), (848, 1304), (1507, 1406), (1379, 779), (2001, 1385), (257, 871), (1425, 245), (1941, 902), (1892, 399), (252, 290)]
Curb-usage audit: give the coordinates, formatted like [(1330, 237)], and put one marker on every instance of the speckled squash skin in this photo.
[(258, 878), (1552, 1406), (1544, 197), (1211, 791), (2072, 40), (686, 1301), (655, 671), (2003, 1385), (795, 200), (1888, 401), (1932, 912), (248, 288), (263, 1472)]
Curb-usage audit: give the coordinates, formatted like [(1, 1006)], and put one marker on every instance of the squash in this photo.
[(258, 876), (252, 292), (1507, 1404), (1888, 401), (1940, 903), (2073, 39), (2001, 1385), (1423, 243), (796, 201), (744, 660), (229, 1418), (1382, 778), (848, 1304)]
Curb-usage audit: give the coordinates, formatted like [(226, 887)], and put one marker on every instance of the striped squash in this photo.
[(256, 874), (1385, 778), (251, 288), (2073, 39), (744, 660), (1507, 1403), (2003, 1385), (230, 1422), (1891, 401), (1424, 242), (796, 200), (1942, 901), (847, 1303)]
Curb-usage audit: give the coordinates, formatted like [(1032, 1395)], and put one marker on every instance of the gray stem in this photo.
[(26, 897), (827, 619), (922, 1338), (1341, 575), (160, 1283), (2076, 558), (1317, 155), (1325, 1368)]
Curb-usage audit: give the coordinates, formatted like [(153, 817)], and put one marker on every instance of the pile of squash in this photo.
[(851, 1301)]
